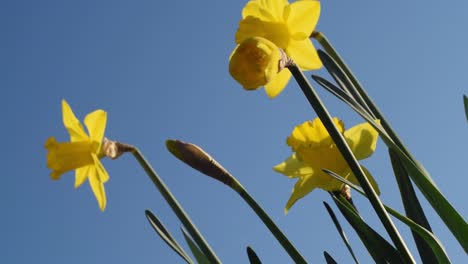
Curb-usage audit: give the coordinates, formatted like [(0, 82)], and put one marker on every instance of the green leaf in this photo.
[(329, 258), (166, 236), (430, 238), (412, 206), (452, 219), (197, 253), (380, 250), (253, 258), (340, 231), (465, 102)]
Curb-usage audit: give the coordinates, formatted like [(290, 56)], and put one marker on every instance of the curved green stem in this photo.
[(176, 207)]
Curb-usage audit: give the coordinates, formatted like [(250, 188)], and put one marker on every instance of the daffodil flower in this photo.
[(82, 153), (289, 27), (314, 150), (255, 62)]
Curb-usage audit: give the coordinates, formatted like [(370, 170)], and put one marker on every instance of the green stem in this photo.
[(282, 239), (352, 162), (358, 89), (176, 207)]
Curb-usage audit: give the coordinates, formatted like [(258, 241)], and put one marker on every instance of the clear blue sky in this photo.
[(159, 68)]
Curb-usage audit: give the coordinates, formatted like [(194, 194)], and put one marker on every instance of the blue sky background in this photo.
[(159, 68)]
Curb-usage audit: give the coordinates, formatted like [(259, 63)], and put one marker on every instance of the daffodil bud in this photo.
[(255, 62)]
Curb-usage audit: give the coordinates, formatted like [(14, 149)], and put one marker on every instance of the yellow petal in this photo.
[(302, 17), (63, 157), (102, 174), (274, 7), (98, 188), (255, 9), (276, 86), (294, 167), (352, 178), (72, 124), (80, 175), (301, 189), (96, 124), (362, 140), (312, 134), (254, 27), (304, 54)]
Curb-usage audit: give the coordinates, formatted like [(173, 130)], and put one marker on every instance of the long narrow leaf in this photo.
[(176, 207), (452, 219), (380, 250), (412, 206), (340, 231), (432, 240), (465, 102), (329, 258), (253, 258), (162, 231), (197, 253)]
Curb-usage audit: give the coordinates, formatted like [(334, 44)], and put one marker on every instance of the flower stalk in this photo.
[(197, 158), (116, 149), (352, 162)]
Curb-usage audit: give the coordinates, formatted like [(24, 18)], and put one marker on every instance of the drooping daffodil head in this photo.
[(255, 62), (82, 153), (315, 150), (289, 27)]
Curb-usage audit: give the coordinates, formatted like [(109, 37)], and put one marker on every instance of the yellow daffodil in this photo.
[(289, 27), (314, 150), (255, 62), (82, 153)]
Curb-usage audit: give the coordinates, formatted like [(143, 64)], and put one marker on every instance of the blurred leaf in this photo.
[(340, 230), (197, 253), (253, 258), (430, 238), (412, 207), (465, 102), (329, 258), (380, 250), (166, 236)]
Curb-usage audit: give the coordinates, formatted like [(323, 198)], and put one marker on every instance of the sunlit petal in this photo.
[(101, 171), (302, 16), (362, 140), (72, 124), (98, 188), (96, 124), (255, 9), (302, 187), (304, 54), (294, 167), (312, 134), (81, 174), (276, 86)]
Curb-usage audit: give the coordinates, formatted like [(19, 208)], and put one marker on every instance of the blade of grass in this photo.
[(329, 258), (253, 258), (412, 206), (431, 239), (197, 253), (340, 231), (380, 250), (465, 102), (161, 230)]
